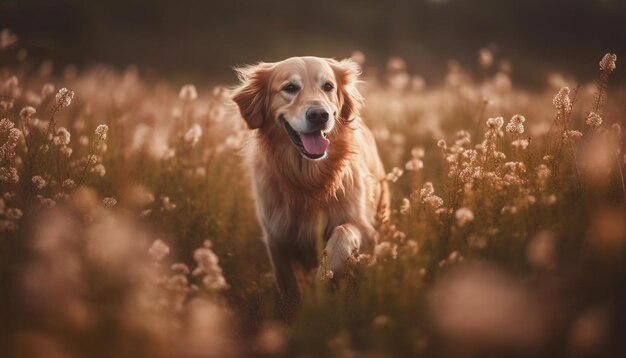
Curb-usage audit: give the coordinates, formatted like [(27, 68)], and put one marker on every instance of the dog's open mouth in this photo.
[(313, 145)]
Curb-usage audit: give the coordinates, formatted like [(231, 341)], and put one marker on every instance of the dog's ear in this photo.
[(347, 74), (251, 96)]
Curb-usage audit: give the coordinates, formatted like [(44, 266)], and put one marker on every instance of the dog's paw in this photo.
[(343, 243)]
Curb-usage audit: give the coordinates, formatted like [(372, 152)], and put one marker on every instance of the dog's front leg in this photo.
[(345, 240)]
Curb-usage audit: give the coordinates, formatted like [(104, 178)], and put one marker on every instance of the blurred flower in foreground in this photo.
[(476, 309)]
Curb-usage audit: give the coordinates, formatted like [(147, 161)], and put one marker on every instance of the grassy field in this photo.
[(128, 227)]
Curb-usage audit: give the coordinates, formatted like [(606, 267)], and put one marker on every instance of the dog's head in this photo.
[(306, 97)]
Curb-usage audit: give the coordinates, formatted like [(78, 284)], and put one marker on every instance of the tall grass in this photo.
[(128, 227)]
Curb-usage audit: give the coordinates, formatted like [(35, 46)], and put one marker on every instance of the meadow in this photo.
[(128, 226)]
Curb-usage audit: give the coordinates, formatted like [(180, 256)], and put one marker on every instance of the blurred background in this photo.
[(200, 40)]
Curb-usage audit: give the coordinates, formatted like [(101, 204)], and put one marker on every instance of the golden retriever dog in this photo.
[(316, 173)]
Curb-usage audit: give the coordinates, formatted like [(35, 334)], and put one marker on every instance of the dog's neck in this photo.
[(321, 179)]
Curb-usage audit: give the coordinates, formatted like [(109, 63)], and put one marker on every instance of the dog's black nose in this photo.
[(317, 115)]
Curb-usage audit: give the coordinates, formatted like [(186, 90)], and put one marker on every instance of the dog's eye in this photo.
[(328, 87), (291, 88)]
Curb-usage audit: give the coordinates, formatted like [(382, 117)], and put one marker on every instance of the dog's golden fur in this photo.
[(336, 198)]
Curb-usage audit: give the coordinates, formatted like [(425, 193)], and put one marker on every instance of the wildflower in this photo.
[(520, 144), (508, 209), (47, 202), (394, 175), (405, 206), (386, 249), (485, 57), (495, 123), (412, 247), (39, 182), (417, 152), (414, 165), (9, 175), (516, 124), (62, 138), (98, 169), (188, 93), (499, 155), (64, 97), (110, 202), (464, 216), (158, 250), (442, 144), (192, 137), (427, 190), (68, 184), (180, 268), (101, 131), (47, 90), (607, 63), (27, 112), (208, 265), (6, 124), (593, 120), (575, 135), (562, 101), (168, 205), (66, 151), (543, 174), (14, 214), (433, 201)]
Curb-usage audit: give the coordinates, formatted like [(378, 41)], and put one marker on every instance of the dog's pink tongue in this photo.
[(314, 143)]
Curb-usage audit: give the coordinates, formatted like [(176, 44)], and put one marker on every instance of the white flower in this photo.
[(27, 112), (158, 250), (405, 206), (516, 124), (593, 120), (62, 138), (188, 93), (110, 202), (495, 123), (520, 143), (101, 131), (394, 175), (572, 134), (414, 165), (427, 190), (64, 97), (464, 216), (192, 137), (561, 101), (608, 62), (39, 182), (442, 144)]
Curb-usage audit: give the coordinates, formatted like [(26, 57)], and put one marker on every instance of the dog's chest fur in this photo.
[(314, 202)]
